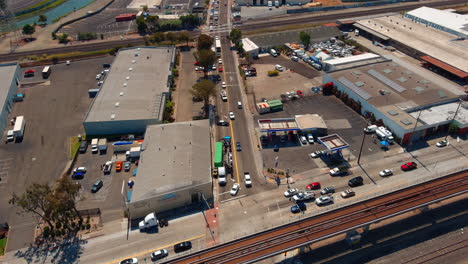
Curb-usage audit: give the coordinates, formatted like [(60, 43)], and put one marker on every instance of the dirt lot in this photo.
[(54, 112), (339, 118), (295, 76)]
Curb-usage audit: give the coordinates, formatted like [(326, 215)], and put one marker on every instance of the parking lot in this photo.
[(42, 155), (339, 118)]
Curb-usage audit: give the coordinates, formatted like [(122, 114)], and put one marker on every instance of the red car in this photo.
[(195, 63), (409, 166), (220, 69), (299, 92), (313, 186)]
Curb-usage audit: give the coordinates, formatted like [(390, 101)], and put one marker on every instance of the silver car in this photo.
[(324, 200)]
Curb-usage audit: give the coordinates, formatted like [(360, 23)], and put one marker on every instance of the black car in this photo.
[(238, 146), (357, 181), (222, 123), (186, 245), (97, 186), (83, 146)]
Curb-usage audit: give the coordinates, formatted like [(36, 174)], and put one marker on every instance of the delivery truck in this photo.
[(150, 221), (18, 128), (102, 145)]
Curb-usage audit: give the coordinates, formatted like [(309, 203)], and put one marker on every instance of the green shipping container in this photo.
[(275, 105), (218, 155)]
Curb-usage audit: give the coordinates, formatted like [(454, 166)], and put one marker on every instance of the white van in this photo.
[(279, 67), (273, 53), (222, 176)]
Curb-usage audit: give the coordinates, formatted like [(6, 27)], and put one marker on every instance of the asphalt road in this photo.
[(248, 26)]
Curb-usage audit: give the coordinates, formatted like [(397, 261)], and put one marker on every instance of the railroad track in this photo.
[(287, 237)]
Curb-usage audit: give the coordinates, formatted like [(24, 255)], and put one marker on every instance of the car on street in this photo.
[(294, 58), (238, 146), (213, 67), (303, 196), (340, 170), (83, 146), (279, 67), (68, 62), (291, 192), (160, 254), (217, 37), (98, 76), (118, 165), (223, 84), (310, 138), (317, 154), (79, 169), (220, 61), (234, 189), (182, 246), (347, 193), (313, 186), (129, 261), (97, 186), (303, 140), (299, 207), (327, 190), (224, 96), (324, 200), (386, 172), (239, 105), (211, 28), (247, 179), (231, 115), (78, 175), (356, 181), (100, 83), (127, 165), (220, 69), (223, 123), (442, 143), (409, 166)]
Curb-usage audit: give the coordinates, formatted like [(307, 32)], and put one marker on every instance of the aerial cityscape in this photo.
[(234, 131)]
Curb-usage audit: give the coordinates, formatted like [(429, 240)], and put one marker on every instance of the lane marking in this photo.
[(155, 249)]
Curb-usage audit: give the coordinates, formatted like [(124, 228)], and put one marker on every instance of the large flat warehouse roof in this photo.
[(456, 22), (175, 156), (435, 43), (7, 72), (135, 87)]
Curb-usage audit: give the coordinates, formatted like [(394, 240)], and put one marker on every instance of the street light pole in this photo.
[(455, 115)]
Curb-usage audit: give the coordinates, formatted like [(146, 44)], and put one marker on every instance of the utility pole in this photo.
[(455, 115)]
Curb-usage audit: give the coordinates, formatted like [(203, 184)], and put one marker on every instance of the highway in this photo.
[(246, 27), (274, 241)]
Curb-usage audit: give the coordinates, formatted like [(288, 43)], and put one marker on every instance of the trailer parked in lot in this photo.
[(102, 145), (18, 129)]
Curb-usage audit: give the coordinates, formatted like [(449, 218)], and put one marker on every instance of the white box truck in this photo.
[(384, 134), (102, 145), (270, 4), (94, 145), (18, 129), (277, 3), (133, 153), (150, 221)]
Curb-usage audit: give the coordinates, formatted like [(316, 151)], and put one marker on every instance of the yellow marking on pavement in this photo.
[(155, 249)]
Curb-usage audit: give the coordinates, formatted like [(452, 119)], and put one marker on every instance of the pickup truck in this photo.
[(107, 167)]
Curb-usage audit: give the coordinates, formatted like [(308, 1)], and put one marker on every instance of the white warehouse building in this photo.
[(250, 47), (134, 92)]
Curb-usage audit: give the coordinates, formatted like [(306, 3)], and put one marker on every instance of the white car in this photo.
[(220, 61), (303, 196), (347, 193), (223, 84), (310, 138), (211, 28), (98, 76), (323, 200), (213, 67), (442, 143), (217, 37), (234, 189), (279, 67), (232, 116), (291, 192), (129, 261), (317, 154), (68, 62), (386, 172), (79, 169), (100, 83), (160, 254), (248, 180), (303, 140)]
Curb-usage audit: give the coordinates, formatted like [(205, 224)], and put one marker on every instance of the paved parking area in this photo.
[(339, 118), (54, 112)]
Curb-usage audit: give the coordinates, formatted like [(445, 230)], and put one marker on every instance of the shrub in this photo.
[(88, 226), (273, 73)]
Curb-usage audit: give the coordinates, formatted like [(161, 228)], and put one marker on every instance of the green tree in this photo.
[(205, 58), (190, 20), (145, 8), (171, 37), (141, 25), (28, 30), (68, 192), (204, 42), (204, 89), (184, 37), (305, 38), (235, 35), (453, 128), (153, 23), (158, 37), (42, 19), (63, 38), (240, 47)]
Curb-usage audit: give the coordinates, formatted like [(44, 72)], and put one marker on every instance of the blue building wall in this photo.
[(8, 103), (118, 127)]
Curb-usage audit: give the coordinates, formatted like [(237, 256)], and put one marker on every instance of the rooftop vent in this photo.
[(130, 69), (112, 116), (138, 48), (127, 78), (393, 112), (121, 93), (125, 85), (133, 61), (406, 122), (117, 104)]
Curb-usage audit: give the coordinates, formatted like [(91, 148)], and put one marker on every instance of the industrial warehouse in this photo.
[(401, 99), (174, 169), (8, 86), (134, 92)]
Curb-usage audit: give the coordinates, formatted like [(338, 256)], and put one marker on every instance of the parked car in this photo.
[(220, 69), (409, 166), (215, 172), (78, 175), (291, 192), (313, 186), (317, 154), (238, 146), (213, 67), (327, 190), (97, 186), (386, 172), (79, 169), (239, 104), (83, 146), (310, 138), (279, 67), (223, 85), (223, 123), (129, 261), (347, 193), (127, 165), (356, 181), (294, 58), (442, 143), (324, 200), (247, 179), (182, 246), (160, 254), (299, 207), (231, 115), (303, 140), (118, 165), (220, 61), (100, 83), (98, 76), (234, 189), (303, 196)]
